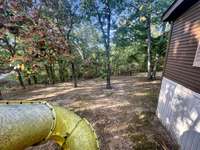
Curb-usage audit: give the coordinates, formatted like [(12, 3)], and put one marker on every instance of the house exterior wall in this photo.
[(179, 99), (182, 49)]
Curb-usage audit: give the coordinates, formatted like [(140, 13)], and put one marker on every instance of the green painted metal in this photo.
[(23, 124)]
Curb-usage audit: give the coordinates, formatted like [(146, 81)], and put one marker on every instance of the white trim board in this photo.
[(196, 62)]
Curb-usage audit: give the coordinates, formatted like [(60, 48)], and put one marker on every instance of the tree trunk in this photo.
[(149, 40), (29, 81), (96, 70), (61, 70), (48, 74), (35, 79), (74, 77), (106, 40), (163, 29), (108, 85), (1, 97), (155, 68), (20, 79), (52, 74)]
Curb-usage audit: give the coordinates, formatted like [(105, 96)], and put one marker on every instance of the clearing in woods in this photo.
[(123, 117)]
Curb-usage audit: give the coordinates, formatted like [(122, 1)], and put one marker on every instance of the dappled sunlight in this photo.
[(147, 83), (196, 29), (187, 26), (48, 93), (182, 125), (140, 94), (47, 89), (112, 111), (102, 59), (178, 109), (103, 106), (117, 128), (175, 47), (100, 104)]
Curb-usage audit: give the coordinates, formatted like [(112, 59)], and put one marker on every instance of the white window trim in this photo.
[(196, 62)]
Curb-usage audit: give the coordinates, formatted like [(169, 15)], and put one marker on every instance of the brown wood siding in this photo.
[(182, 49)]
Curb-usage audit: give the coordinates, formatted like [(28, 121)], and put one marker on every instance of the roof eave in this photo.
[(171, 9), (177, 8)]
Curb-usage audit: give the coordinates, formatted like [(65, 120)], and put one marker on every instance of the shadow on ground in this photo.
[(123, 117)]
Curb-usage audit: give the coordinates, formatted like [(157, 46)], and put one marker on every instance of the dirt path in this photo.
[(124, 117)]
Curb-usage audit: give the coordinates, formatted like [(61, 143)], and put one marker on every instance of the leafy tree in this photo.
[(29, 38), (48, 39), (104, 14), (12, 20), (142, 25), (65, 15), (86, 40), (46, 44)]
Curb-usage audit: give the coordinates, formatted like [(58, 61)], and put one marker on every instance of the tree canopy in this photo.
[(48, 41)]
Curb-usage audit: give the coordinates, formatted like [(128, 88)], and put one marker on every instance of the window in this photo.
[(196, 62)]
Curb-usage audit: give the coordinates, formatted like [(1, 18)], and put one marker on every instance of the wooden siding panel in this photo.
[(182, 49), (185, 81)]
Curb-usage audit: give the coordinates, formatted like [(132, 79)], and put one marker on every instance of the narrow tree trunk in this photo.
[(97, 67), (163, 29), (1, 96), (52, 73), (96, 70), (20, 79), (155, 68), (29, 81), (61, 70), (74, 77), (61, 75), (108, 85), (149, 40), (48, 74), (35, 79), (154, 71)]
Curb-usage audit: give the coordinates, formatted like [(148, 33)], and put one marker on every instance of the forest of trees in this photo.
[(49, 41)]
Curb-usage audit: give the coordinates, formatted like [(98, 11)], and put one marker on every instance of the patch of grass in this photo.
[(145, 136), (141, 142), (143, 120)]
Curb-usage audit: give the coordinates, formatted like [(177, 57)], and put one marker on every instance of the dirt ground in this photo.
[(123, 117)]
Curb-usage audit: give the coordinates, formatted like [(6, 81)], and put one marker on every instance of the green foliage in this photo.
[(88, 33)]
